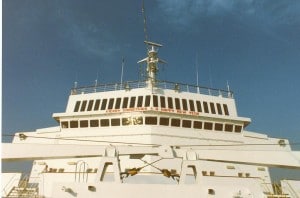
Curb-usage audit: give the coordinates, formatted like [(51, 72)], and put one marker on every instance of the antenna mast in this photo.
[(123, 63), (197, 74), (145, 24), (152, 59)]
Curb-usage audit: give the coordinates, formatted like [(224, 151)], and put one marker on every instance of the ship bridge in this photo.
[(159, 105)]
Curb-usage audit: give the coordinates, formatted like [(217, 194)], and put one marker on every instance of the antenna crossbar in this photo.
[(153, 44)]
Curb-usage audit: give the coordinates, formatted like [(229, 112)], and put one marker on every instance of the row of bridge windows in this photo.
[(154, 101), (152, 120)]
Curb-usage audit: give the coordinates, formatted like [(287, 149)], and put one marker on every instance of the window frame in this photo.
[(77, 106), (83, 106)]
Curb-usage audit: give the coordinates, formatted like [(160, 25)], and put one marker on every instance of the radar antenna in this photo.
[(152, 61)]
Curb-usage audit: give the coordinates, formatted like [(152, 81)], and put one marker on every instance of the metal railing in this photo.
[(24, 188), (10, 184), (291, 190), (128, 85)]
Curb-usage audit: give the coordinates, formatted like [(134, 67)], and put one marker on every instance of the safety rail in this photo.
[(24, 188), (291, 190), (273, 190), (15, 179), (128, 85)]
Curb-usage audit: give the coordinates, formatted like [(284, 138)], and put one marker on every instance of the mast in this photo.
[(152, 61)]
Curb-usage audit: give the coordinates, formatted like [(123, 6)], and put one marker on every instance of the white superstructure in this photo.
[(149, 138)]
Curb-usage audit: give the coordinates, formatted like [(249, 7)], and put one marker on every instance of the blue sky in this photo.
[(252, 44)]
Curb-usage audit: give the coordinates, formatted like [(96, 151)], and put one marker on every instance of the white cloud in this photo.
[(87, 37), (93, 40)]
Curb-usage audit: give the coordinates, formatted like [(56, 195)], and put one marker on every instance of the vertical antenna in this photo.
[(210, 79), (228, 90), (96, 81), (197, 74), (122, 70), (141, 72), (76, 80), (145, 24)]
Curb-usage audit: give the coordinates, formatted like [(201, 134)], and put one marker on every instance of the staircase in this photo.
[(19, 192), (24, 189)]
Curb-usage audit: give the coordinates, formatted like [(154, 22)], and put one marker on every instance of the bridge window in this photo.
[(90, 106), (177, 103), (115, 122), (164, 121), (155, 101), (103, 105), (208, 125), (83, 105), (151, 120), (199, 109), (132, 102), (140, 101), (104, 122), (126, 121), (219, 108), (197, 125), (125, 103), (111, 103), (74, 124), (162, 102), (186, 123), (184, 104), (147, 101), (218, 127), (170, 103), (192, 107), (228, 127), (97, 105), (225, 109), (205, 107), (118, 103), (84, 123), (94, 123), (212, 108), (65, 125), (76, 109), (175, 122), (238, 128)]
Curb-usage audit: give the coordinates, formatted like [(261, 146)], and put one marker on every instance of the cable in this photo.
[(80, 140), (145, 144)]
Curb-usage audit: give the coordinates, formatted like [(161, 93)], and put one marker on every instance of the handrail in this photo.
[(11, 181), (128, 85), (291, 189)]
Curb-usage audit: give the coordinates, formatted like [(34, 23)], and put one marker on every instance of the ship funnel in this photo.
[(152, 61)]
